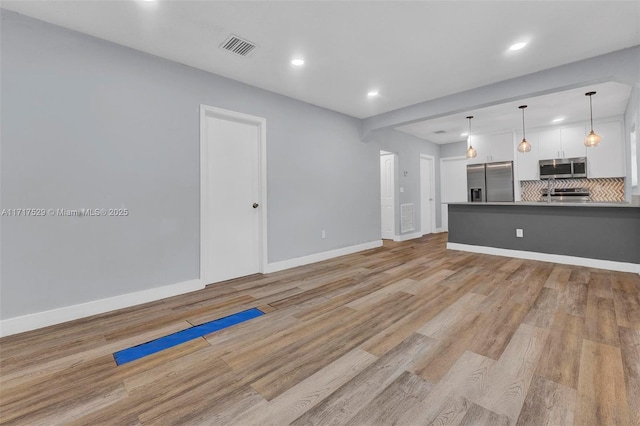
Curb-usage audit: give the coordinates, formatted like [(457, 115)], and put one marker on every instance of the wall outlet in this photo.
[(519, 233), (323, 234)]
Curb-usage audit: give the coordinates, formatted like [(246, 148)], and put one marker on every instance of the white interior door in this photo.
[(453, 184), (427, 194), (231, 197), (387, 195)]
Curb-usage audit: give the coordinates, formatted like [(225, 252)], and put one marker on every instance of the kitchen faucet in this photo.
[(550, 189)]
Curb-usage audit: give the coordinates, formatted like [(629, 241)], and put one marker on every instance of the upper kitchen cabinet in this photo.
[(573, 142), (527, 162), (567, 142), (607, 159), (492, 148)]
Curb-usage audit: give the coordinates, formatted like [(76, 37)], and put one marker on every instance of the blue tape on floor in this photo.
[(166, 342)]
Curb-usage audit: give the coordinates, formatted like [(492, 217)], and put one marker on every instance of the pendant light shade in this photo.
[(471, 152), (524, 145), (592, 139)]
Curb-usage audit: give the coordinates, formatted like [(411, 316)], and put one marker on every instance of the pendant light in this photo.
[(524, 145), (471, 152), (592, 139)]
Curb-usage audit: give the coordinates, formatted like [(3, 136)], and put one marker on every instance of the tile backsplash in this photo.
[(604, 189)]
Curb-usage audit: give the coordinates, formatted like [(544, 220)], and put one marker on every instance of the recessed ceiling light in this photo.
[(297, 62), (518, 46), (373, 93), (557, 120), (464, 134)]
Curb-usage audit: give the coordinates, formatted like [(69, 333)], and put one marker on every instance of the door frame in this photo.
[(433, 192), (394, 156), (205, 210)]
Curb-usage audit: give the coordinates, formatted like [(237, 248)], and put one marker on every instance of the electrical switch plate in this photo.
[(323, 234), (519, 233)]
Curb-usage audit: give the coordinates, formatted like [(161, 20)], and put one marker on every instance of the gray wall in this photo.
[(607, 233), (454, 149), (87, 123), (408, 149)]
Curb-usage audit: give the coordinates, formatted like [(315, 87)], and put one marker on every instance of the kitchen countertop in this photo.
[(552, 204)]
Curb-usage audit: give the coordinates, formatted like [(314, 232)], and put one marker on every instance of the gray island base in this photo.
[(599, 236)]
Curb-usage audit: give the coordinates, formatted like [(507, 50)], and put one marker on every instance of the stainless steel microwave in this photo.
[(563, 168)]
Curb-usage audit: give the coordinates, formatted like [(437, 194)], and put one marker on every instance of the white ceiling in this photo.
[(610, 100), (410, 51)]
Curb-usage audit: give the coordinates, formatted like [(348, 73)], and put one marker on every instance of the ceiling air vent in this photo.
[(439, 132), (235, 44)]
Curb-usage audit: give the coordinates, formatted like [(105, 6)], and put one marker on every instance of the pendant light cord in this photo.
[(591, 111), (523, 135)]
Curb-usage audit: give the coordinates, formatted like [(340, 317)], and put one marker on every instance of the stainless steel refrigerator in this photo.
[(490, 182)]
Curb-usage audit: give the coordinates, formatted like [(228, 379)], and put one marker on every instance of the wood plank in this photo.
[(627, 307), (436, 362), (391, 336), (573, 298), (344, 403), (560, 359), (296, 401), (558, 277), (630, 350), (600, 324), (444, 405), (323, 349), (543, 309), (477, 415), (402, 395), (602, 396), (548, 403), (512, 374), (440, 325), (494, 337), (373, 298)]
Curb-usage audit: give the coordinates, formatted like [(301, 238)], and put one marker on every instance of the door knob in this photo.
[(255, 205)]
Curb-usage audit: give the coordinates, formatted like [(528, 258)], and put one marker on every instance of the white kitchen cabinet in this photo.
[(549, 145), (567, 142), (527, 163), (573, 142), (607, 159), (492, 148)]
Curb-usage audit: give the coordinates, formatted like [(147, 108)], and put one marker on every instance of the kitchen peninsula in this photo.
[(599, 235)]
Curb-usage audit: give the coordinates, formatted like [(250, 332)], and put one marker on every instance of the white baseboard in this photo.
[(68, 313), (439, 230), (319, 257), (546, 257), (406, 237)]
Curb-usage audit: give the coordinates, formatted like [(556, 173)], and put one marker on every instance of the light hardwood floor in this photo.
[(406, 334)]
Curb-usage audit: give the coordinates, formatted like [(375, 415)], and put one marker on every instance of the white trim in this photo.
[(439, 230), (261, 123), (433, 193), (319, 257), (546, 257), (68, 313), (405, 237)]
